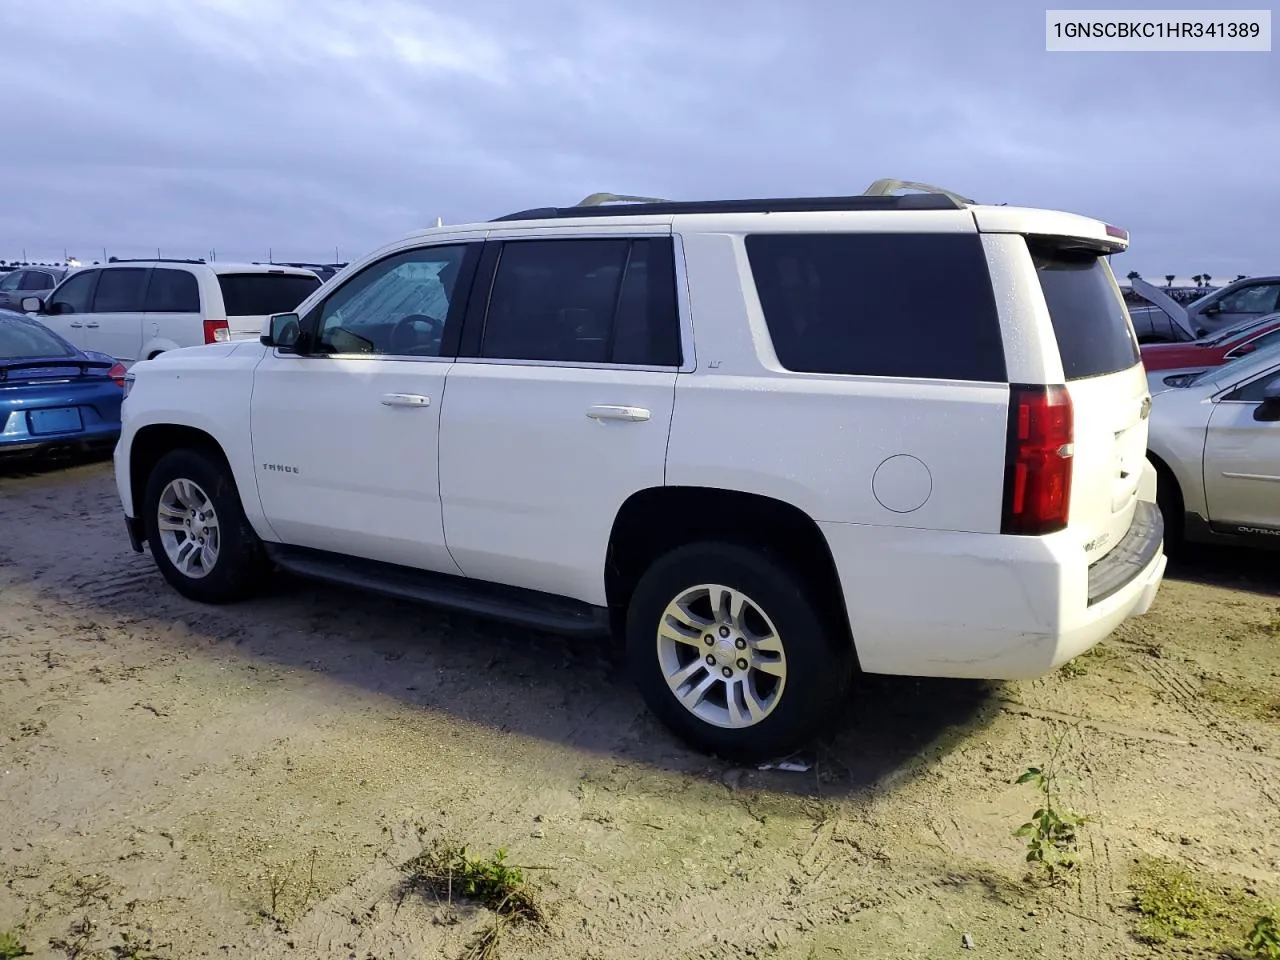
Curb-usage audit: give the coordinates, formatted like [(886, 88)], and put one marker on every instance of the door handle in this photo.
[(405, 400), (606, 411), (77, 326), (92, 326)]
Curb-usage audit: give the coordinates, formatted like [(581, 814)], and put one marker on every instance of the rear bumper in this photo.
[(984, 606)]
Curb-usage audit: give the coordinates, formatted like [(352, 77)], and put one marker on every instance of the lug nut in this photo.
[(742, 664), (724, 631), (708, 639), (711, 660), (740, 644), (727, 672)]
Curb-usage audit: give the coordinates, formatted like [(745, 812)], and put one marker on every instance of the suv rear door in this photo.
[(1107, 384), (559, 406)]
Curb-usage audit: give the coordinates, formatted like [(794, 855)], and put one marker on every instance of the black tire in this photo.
[(241, 566), (819, 659), (1172, 508)]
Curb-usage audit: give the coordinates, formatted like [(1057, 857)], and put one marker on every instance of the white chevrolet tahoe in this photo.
[(766, 442)]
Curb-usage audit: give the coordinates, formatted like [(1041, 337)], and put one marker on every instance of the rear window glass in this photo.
[(259, 294), (20, 340), (1089, 317), (884, 305)]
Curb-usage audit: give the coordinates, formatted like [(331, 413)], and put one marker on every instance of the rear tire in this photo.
[(197, 530), (1172, 508), (758, 677)]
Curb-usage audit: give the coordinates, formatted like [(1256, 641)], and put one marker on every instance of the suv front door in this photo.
[(346, 431), (559, 407)]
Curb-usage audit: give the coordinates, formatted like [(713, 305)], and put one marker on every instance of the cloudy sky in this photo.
[(298, 126)]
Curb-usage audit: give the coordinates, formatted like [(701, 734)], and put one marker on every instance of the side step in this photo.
[(515, 605)]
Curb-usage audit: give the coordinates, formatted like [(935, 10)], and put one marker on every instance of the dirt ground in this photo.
[(184, 781)]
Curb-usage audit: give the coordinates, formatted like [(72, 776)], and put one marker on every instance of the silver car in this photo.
[(1165, 320), (28, 282)]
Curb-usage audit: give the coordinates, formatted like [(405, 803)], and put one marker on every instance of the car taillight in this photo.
[(1038, 461), (216, 331), (117, 375)]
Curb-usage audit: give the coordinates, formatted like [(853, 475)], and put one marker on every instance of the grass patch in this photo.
[(1174, 903), (11, 946)]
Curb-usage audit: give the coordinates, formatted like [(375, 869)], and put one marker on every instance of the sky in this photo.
[(301, 129)]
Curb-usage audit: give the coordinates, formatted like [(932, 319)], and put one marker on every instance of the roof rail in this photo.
[(153, 260), (886, 187), (596, 199), (659, 208)]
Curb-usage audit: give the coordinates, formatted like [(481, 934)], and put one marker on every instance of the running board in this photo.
[(514, 605)]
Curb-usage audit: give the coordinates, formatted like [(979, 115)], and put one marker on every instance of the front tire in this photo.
[(197, 530), (732, 652)]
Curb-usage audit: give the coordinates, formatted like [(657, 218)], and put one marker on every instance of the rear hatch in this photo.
[(1108, 388), (249, 298)]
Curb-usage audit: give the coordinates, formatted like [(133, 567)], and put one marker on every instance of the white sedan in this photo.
[(1215, 444)]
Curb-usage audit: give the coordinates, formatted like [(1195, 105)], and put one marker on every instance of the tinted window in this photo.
[(585, 301), (73, 296), (20, 340), (120, 291), (398, 306), (260, 294), (37, 280), (1088, 314), (173, 291), (886, 305), (12, 281)]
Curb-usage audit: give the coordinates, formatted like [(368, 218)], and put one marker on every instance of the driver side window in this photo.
[(1259, 298), (396, 307), (1252, 392)]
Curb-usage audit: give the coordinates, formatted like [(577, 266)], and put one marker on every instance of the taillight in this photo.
[(1038, 461), (216, 331), (117, 375)]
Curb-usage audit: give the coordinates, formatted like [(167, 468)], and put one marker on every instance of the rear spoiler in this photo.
[(85, 365)]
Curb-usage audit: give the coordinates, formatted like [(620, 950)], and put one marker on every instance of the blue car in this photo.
[(54, 397)]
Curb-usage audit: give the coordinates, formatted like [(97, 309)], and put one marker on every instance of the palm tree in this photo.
[(1197, 278), (1134, 275), (1207, 278), (1168, 279), (1239, 276)]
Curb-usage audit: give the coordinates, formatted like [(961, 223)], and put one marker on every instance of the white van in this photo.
[(136, 309)]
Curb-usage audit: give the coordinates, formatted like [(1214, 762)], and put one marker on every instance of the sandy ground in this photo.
[(168, 770)]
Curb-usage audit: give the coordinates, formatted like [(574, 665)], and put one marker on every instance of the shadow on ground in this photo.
[(1239, 568)]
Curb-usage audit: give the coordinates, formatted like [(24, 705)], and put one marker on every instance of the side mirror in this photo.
[(1268, 411), (32, 305), (283, 331), (1212, 309)]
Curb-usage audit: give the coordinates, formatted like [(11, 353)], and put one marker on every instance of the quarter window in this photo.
[(584, 301)]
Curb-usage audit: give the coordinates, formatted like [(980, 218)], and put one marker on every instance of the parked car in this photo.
[(1215, 443), (1168, 364), (52, 394), (685, 425), (28, 282), (1167, 321), (137, 309)]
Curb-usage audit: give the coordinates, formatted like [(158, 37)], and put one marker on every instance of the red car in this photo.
[(1214, 349)]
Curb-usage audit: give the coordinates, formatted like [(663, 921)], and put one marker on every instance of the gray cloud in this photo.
[(301, 125)]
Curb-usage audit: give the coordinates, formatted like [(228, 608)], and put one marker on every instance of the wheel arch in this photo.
[(152, 442), (656, 520)]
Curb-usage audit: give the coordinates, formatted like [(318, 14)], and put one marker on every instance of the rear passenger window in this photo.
[(120, 291), (1089, 316), (881, 305), (173, 291), (585, 301), (37, 280)]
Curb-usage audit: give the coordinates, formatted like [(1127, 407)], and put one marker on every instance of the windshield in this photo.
[(20, 339), (1240, 367), (1239, 329)]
